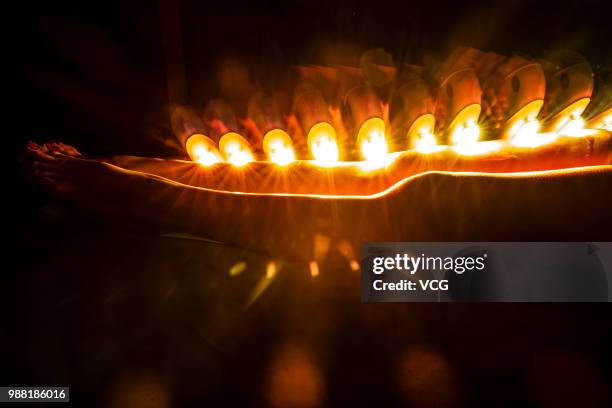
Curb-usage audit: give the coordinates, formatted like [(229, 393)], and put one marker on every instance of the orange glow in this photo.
[(278, 147), (466, 133), (522, 128), (602, 120), (421, 134), (525, 132), (271, 270), (323, 144), (371, 140), (236, 149), (314, 268), (606, 123), (571, 126), (425, 142), (569, 121), (203, 150), (464, 129), (354, 265)]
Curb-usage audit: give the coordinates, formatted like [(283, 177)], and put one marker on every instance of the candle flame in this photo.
[(371, 140), (571, 125), (607, 123), (323, 144), (425, 142), (278, 147), (524, 133), (203, 150), (236, 149), (467, 133)]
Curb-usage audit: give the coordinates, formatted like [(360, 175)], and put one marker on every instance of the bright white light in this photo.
[(280, 153), (237, 154), (426, 142), (478, 148), (206, 156), (467, 133), (374, 146), (571, 126), (525, 132)]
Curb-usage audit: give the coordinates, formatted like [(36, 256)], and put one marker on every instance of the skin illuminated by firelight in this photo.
[(203, 150), (278, 147), (236, 149), (323, 144), (371, 140)]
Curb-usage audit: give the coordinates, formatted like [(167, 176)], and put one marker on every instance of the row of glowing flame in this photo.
[(371, 139)]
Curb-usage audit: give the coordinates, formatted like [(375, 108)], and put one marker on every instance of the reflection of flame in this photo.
[(371, 140), (322, 144), (278, 147), (466, 134), (236, 149), (203, 150)]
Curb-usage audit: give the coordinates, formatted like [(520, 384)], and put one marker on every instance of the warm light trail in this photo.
[(278, 147), (203, 150), (236, 149), (323, 144)]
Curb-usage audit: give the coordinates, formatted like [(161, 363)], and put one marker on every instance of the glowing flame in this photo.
[(203, 150), (323, 145), (421, 134), (466, 134), (524, 133), (371, 140), (569, 121), (571, 125), (236, 149), (425, 142), (278, 147), (606, 123)]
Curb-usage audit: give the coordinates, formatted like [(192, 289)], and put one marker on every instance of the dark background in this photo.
[(88, 307)]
